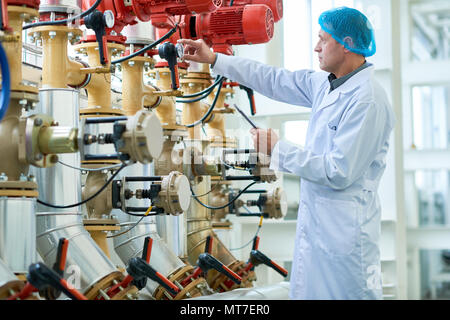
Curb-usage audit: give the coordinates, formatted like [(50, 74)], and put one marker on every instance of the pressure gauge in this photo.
[(109, 18), (180, 50)]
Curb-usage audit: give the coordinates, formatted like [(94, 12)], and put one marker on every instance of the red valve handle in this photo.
[(168, 282), (4, 16), (61, 256), (24, 293), (77, 294), (147, 252), (208, 244), (255, 243), (257, 257), (116, 288)]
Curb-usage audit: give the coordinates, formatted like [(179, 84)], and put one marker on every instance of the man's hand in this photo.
[(197, 51), (264, 140)]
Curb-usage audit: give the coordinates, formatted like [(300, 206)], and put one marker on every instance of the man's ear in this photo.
[(349, 42)]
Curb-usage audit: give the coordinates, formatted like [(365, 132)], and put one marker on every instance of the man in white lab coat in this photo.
[(337, 252)]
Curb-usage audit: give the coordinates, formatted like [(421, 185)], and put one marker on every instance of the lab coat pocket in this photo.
[(337, 222)]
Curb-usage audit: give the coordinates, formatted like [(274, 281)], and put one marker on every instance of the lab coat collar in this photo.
[(350, 85)]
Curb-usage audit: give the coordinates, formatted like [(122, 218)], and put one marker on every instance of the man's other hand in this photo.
[(197, 51), (264, 140)]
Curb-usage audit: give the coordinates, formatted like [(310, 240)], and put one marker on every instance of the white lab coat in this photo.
[(337, 252)]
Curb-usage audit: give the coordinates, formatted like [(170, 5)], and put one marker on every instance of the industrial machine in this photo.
[(87, 171)]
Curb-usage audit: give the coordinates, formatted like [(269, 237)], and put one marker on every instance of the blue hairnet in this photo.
[(350, 28)]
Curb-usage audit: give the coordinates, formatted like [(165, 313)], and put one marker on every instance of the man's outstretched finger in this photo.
[(189, 42)]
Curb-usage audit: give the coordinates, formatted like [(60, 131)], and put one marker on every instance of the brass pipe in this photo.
[(9, 143), (57, 139), (193, 111), (199, 226), (58, 70), (166, 111), (216, 124), (101, 204), (14, 48), (136, 94), (9, 126), (99, 87)]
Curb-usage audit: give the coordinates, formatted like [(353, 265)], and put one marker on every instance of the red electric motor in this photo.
[(275, 5), (34, 4), (161, 12), (236, 25)]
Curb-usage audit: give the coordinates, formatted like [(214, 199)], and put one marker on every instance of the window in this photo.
[(301, 29), (431, 118), (430, 30)]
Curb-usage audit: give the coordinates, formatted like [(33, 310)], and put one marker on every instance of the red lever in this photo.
[(4, 16), (77, 294), (124, 283), (167, 282), (208, 245), (61, 256), (24, 293), (147, 252), (255, 243)]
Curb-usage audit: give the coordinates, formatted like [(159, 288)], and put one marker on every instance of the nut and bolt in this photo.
[(52, 34), (38, 122), (54, 158), (23, 102)]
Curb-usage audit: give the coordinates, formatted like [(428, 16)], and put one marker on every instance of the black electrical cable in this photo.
[(85, 200), (228, 204), (207, 90), (148, 47), (63, 21), (133, 226), (211, 108), (248, 243), (141, 215)]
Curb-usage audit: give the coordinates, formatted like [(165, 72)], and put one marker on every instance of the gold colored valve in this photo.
[(10, 37), (143, 139), (169, 93), (40, 140), (97, 69), (276, 203), (175, 194)]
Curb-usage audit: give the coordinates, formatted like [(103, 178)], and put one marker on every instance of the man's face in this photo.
[(331, 53)]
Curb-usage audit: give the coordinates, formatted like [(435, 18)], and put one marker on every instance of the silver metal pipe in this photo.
[(85, 259), (6, 275), (278, 291), (131, 244), (18, 233), (62, 185), (173, 230)]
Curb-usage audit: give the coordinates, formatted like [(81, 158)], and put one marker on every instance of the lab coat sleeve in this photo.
[(359, 137), (276, 83)]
